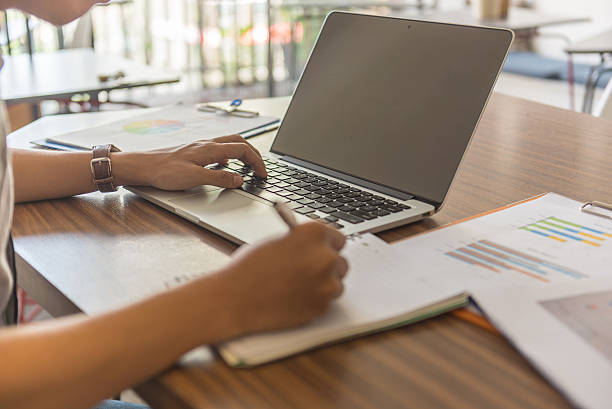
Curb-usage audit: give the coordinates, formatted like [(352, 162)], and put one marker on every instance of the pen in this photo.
[(262, 129), (286, 214), (46, 143)]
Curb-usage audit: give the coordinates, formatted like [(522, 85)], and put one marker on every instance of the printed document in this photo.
[(539, 242), (565, 330), (162, 128)]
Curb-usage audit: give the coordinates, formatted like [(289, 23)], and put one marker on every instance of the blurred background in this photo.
[(156, 52)]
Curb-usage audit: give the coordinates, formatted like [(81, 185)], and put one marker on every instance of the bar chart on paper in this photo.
[(566, 231), (497, 258), (543, 241)]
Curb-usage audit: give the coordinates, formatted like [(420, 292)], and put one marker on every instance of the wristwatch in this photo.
[(101, 169)]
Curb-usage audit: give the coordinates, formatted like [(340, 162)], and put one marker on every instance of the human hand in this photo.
[(287, 281), (182, 167)]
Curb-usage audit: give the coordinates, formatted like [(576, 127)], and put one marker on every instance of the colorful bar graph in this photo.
[(564, 231), (566, 235), (550, 236), (498, 258), (501, 262), (470, 261), (580, 227), (536, 260)]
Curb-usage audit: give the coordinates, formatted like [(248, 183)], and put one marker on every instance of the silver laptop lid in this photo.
[(392, 101)]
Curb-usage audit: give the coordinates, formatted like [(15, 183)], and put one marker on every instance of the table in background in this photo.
[(600, 44), (519, 19), (59, 75), (526, 24), (520, 149)]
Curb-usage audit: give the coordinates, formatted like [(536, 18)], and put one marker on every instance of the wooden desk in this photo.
[(521, 149)]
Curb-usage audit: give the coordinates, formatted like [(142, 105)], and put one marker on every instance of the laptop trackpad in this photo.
[(229, 213)]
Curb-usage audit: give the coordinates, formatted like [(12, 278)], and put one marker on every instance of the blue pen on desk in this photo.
[(47, 144)]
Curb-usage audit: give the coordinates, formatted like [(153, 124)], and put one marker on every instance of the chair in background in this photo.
[(603, 108), (600, 45)]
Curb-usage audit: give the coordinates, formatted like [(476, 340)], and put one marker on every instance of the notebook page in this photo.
[(377, 287)]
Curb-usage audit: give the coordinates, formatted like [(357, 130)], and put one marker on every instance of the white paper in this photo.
[(565, 330), (162, 128), (511, 247)]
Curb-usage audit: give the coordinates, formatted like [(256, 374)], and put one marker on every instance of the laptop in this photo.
[(374, 134)]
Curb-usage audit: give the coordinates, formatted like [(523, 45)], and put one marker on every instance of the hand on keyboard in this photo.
[(182, 167)]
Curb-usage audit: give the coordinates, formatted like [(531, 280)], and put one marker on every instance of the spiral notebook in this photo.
[(379, 294)]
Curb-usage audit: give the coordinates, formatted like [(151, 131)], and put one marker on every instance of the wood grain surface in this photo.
[(520, 149)]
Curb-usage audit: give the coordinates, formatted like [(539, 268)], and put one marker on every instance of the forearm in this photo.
[(48, 175), (75, 362), (43, 175)]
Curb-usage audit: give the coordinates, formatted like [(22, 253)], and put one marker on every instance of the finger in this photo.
[(236, 138), (333, 288), (311, 232), (219, 178), (339, 289), (240, 151), (341, 269), (335, 238)]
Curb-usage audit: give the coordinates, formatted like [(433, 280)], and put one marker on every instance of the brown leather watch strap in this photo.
[(101, 169)]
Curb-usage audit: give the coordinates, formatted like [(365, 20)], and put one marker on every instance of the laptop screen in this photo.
[(392, 101)]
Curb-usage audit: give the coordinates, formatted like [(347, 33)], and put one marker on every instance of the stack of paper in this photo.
[(540, 270), (564, 330)]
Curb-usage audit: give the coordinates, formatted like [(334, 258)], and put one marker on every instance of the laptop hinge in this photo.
[(350, 179)]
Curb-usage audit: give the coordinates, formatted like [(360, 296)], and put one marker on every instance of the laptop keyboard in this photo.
[(313, 195)]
